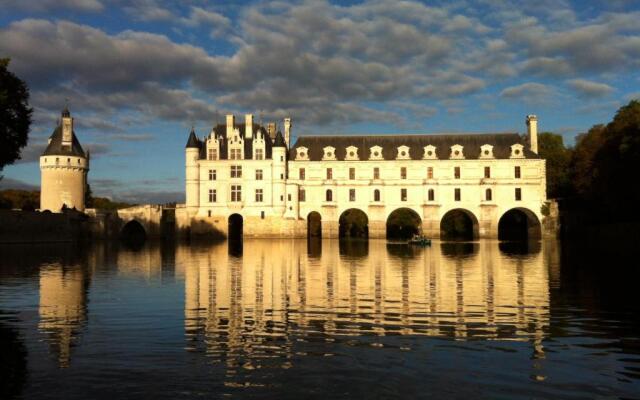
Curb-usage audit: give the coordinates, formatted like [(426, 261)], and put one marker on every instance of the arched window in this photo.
[(376, 195), (432, 195), (329, 196), (488, 195)]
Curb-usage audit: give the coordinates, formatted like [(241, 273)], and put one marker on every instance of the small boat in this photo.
[(419, 240)]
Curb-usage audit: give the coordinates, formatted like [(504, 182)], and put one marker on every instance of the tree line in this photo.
[(596, 176)]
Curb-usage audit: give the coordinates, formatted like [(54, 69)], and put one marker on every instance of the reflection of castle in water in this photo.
[(63, 299), (257, 306)]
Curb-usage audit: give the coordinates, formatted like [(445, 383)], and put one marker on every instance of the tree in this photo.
[(15, 115), (558, 157), (88, 197)]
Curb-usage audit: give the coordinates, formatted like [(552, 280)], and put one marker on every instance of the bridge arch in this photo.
[(314, 224), (519, 224), (133, 232), (402, 223), (353, 223), (235, 227), (459, 224)]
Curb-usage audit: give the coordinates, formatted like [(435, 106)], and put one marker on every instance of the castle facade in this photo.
[(251, 175)]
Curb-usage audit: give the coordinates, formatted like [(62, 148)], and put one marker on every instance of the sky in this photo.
[(138, 74)]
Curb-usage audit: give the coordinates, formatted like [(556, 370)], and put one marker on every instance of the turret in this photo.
[(192, 173), (532, 132), (287, 131), (63, 169), (279, 155)]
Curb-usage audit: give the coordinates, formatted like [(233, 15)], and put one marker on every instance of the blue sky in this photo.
[(139, 73)]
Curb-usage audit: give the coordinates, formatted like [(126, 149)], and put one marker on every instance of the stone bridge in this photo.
[(150, 220)]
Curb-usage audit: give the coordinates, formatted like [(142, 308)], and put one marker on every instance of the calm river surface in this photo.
[(288, 319)]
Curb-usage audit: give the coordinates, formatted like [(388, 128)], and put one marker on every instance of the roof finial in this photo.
[(65, 111)]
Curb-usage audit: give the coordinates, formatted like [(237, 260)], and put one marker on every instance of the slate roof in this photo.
[(193, 140), (55, 147), (279, 140), (220, 130), (501, 143)]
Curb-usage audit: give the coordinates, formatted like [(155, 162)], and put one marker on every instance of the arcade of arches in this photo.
[(403, 223), (354, 223)]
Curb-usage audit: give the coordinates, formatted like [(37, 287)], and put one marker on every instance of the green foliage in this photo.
[(545, 209), (103, 203), (551, 148), (15, 115), (19, 199)]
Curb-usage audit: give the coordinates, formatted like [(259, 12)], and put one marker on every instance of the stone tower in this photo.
[(63, 168)]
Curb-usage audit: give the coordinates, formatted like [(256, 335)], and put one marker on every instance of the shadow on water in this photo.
[(353, 247), (13, 362), (403, 250), (235, 247), (314, 246), (459, 249), (520, 247)]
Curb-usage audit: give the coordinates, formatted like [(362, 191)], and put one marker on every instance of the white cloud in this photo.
[(587, 88)]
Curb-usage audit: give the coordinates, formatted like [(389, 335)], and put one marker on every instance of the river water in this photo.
[(291, 319)]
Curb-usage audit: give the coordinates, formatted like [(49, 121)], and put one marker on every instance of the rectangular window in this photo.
[(431, 195), (236, 193), (487, 172), (518, 194), (212, 174), (213, 196), (430, 173), (302, 195), (235, 154), (403, 194), (352, 195), (213, 154), (376, 173), (258, 174), (289, 197), (329, 173), (259, 196), (301, 173), (262, 214), (352, 173), (259, 154), (236, 171), (517, 172), (457, 195), (403, 173), (456, 172)]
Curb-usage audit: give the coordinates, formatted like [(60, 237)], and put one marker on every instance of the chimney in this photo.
[(229, 125), (67, 128), (532, 132), (271, 130), (248, 126), (287, 130)]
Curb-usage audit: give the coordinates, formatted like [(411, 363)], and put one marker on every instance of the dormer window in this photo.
[(352, 153), (375, 153), (517, 151), (456, 152), (329, 153), (486, 151), (429, 153), (403, 153), (302, 153)]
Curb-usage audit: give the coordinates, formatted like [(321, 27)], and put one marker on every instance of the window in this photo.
[(403, 173), (258, 174), (289, 197), (329, 173), (456, 172), (352, 195), (301, 173), (213, 154), (517, 172), (57, 161), (430, 173), (236, 193), (236, 171), (259, 154), (352, 173), (376, 195), (281, 158), (208, 213), (236, 154), (259, 196), (403, 194), (518, 194), (376, 173), (431, 195), (212, 174), (281, 176), (457, 195), (213, 196), (487, 172), (329, 195), (302, 195), (488, 195), (262, 214)]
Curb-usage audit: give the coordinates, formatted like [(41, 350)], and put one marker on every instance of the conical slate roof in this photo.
[(279, 140), (193, 140), (55, 147)]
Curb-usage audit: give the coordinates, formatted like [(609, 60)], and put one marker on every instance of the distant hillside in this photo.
[(30, 200)]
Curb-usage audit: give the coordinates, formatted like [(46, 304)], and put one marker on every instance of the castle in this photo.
[(63, 169), (249, 178)]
